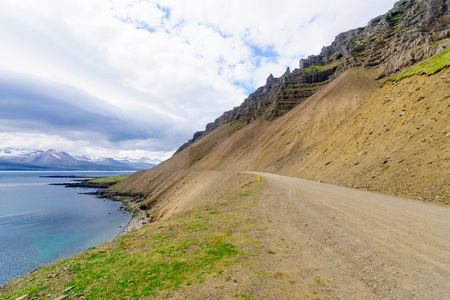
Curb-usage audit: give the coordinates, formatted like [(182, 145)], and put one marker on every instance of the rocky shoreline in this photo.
[(139, 217), (86, 184), (129, 201)]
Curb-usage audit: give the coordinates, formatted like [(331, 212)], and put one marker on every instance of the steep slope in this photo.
[(392, 139), (396, 143)]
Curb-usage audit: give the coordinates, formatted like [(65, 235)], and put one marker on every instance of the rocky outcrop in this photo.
[(272, 100), (87, 184), (410, 32)]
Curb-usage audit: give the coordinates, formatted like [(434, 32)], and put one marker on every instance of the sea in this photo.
[(40, 223)]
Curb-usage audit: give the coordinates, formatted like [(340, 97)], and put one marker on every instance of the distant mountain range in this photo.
[(32, 159)]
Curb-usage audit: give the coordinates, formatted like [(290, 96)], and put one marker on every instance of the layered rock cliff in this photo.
[(410, 32)]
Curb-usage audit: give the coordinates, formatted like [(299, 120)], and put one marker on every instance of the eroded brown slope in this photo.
[(269, 146), (397, 143), (393, 139)]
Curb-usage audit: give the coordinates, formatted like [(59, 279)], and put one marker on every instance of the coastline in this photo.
[(138, 218)]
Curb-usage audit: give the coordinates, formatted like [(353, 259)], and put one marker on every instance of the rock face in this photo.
[(272, 100), (410, 32)]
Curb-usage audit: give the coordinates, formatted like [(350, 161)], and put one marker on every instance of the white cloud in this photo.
[(167, 67)]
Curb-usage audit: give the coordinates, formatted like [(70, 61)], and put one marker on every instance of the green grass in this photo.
[(441, 42), (110, 179), (316, 68), (385, 167), (320, 68), (165, 255), (429, 66), (138, 264)]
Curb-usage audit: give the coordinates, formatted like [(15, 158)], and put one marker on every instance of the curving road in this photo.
[(361, 245)]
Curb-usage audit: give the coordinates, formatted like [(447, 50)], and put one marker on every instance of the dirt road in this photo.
[(350, 244)]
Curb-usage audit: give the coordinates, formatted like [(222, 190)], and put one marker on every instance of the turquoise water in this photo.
[(40, 223)]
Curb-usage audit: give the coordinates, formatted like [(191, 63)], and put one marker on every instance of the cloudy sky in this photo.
[(138, 78)]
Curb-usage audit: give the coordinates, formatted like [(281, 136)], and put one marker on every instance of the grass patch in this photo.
[(136, 265), (110, 179), (429, 66), (245, 194), (320, 68), (385, 167)]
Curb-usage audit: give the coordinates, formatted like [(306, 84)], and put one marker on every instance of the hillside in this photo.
[(391, 139)]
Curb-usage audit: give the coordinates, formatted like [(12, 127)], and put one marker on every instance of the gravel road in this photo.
[(352, 244)]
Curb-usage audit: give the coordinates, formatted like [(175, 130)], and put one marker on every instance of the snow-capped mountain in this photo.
[(32, 159), (14, 152), (52, 157), (142, 160), (138, 164), (104, 161)]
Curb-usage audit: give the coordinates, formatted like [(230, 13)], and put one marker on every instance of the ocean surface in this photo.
[(40, 223)]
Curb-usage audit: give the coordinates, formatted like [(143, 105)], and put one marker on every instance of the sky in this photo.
[(126, 78)]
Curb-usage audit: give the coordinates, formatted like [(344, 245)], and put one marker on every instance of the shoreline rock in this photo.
[(139, 217), (86, 184)]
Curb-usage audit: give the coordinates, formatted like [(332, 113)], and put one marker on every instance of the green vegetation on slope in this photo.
[(320, 68), (429, 66), (160, 257), (110, 179)]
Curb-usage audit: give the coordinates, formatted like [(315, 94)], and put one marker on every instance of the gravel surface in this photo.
[(352, 244)]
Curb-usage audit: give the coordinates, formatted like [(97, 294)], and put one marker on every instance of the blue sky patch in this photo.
[(267, 52), (165, 10), (142, 25), (247, 86)]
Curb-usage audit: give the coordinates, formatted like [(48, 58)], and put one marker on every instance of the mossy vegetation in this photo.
[(440, 42), (316, 68), (394, 18), (429, 66), (320, 67), (110, 179)]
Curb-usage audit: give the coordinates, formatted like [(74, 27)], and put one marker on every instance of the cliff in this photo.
[(412, 31)]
